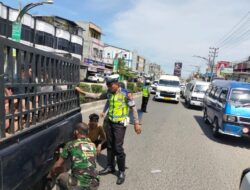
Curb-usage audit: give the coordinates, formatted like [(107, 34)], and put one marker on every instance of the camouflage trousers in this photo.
[(66, 182)]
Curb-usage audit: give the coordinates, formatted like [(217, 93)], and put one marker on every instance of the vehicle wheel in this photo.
[(185, 101), (205, 119), (188, 104), (215, 128)]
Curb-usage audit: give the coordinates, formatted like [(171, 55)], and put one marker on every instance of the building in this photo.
[(241, 71), (138, 63), (67, 35), (44, 32), (154, 71), (112, 52), (93, 48), (48, 33)]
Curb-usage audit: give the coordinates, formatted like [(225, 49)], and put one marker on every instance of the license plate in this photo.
[(167, 98)]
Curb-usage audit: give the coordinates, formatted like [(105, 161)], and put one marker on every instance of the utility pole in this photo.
[(213, 53)]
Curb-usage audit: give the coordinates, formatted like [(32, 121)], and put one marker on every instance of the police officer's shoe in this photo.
[(107, 170), (121, 178)]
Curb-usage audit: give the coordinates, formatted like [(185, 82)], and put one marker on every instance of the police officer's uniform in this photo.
[(118, 105), (145, 97)]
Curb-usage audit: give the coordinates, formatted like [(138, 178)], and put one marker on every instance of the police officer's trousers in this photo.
[(115, 133), (144, 104)]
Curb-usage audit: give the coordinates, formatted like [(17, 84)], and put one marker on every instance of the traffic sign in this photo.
[(16, 31)]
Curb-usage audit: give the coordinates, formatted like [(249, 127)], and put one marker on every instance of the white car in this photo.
[(195, 92), (96, 78), (168, 88)]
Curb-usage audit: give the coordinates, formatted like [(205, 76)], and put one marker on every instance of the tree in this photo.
[(123, 70)]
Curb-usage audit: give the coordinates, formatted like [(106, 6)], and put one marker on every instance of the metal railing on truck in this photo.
[(35, 87)]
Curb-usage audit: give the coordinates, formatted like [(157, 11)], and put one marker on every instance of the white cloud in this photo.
[(166, 31)]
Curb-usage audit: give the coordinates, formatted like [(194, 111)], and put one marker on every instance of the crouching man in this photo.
[(82, 153)]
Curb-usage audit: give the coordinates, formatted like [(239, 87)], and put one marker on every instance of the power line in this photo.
[(238, 25), (237, 40)]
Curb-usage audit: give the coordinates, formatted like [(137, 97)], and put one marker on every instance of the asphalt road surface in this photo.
[(176, 151)]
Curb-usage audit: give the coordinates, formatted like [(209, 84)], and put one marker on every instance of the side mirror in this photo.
[(245, 180)]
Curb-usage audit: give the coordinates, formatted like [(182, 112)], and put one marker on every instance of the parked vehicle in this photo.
[(227, 108), (245, 180), (153, 86), (183, 88), (195, 93), (41, 108), (168, 88), (96, 78)]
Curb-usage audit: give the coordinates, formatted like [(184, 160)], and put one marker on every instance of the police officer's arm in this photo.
[(105, 109), (88, 94), (131, 104)]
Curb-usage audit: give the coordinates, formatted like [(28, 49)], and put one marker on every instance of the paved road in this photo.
[(176, 141)]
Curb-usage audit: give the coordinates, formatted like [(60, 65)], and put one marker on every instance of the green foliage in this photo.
[(96, 88), (82, 99), (139, 86), (132, 87), (85, 87)]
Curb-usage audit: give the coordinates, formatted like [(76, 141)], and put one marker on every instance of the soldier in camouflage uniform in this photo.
[(82, 153)]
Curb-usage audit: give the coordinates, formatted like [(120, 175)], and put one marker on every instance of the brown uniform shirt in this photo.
[(97, 134)]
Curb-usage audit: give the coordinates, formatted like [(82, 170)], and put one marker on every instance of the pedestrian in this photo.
[(145, 96), (117, 108), (96, 133), (82, 153)]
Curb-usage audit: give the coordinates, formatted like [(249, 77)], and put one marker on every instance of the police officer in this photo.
[(117, 108), (82, 153), (145, 96)]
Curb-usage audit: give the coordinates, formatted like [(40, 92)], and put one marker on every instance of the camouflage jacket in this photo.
[(82, 153)]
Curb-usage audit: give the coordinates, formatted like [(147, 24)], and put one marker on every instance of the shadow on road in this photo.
[(223, 139)]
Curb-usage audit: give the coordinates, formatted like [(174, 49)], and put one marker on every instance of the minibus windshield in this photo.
[(241, 97)]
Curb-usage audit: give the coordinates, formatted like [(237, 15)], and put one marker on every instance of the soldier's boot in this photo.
[(121, 166), (111, 164)]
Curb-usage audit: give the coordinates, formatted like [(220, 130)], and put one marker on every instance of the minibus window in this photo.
[(223, 95)]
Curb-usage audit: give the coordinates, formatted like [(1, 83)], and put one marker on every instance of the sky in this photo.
[(164, 31)]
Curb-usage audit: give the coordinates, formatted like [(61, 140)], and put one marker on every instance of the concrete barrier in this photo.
[(99, 104)]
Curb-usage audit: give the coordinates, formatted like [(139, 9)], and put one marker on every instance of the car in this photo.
[(195, 93), (227, 108), (183, 87), (96, 78), (153, 86), (245, 180), (168, 88)]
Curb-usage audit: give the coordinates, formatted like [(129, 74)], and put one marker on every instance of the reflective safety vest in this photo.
[(145, 92), (118, 107)]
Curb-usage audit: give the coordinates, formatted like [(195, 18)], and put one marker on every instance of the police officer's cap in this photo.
[(112, 79), (94, 117)]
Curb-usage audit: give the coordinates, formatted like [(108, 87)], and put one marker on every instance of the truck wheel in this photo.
[(215, 128)]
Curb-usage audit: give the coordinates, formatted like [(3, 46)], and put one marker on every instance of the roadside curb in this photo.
[(99, 104)]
